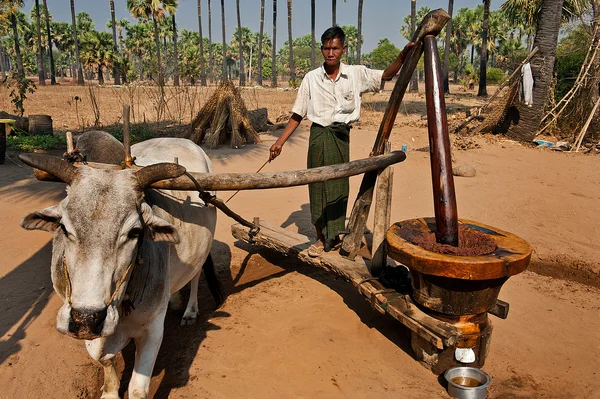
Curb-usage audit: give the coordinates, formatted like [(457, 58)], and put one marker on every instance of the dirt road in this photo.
[(287, 330)]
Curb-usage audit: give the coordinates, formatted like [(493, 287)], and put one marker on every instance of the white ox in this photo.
[(120, 251)]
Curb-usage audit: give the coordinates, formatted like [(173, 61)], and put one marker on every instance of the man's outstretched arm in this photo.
[(290, 128), (393, 69)]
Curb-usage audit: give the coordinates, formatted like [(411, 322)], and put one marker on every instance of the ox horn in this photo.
[(160, 171), (63, 170)]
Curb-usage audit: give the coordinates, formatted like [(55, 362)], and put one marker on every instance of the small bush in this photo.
[(495, 76), (295, 83), (30, 143), (138, 133)]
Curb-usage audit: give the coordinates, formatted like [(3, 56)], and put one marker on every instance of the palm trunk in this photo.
[(414, 81), (176, 55), (542, 65), (116, 70), (100, 76), (161, 81), (483, 61), (80, 80), (224, 43), (446, 66), (290, 41), (20, 70), (333, 12), (359, 38), (40, 54), (202, 68), (259, 80), (239, 22), (211, 60), (273, 52), (472, 53), (313, 44)]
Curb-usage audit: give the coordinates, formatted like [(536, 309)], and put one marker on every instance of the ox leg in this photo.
[(175, 302), (110, 389), (146, 351), (191, 311)]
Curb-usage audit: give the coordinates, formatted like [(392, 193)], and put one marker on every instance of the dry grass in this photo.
[(183, 103)]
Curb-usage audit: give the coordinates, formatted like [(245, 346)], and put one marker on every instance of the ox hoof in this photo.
[(189, 317)]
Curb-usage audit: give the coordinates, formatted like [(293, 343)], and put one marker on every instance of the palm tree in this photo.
[(13, 21), (116, 71), (483, 54), (40, 52), (447, 47), (414, 81), (359, 43), (274, 53), (239, 22), (80, 81), (333, 12), (150, 9), (260, 43), (224, 43), (170, 6), (313, 43), (96, 52), (290, 42), (202, 69), (542, 64), (211, 60), (52, 67)]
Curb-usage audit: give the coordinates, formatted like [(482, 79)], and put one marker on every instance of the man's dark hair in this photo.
[(332, 33)]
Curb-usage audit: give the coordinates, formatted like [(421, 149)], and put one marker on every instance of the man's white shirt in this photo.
[(325, 101)]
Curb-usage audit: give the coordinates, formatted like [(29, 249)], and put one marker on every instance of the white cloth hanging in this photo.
[(527, 85)]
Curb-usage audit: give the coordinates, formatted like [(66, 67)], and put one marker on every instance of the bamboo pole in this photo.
[(579, 139)]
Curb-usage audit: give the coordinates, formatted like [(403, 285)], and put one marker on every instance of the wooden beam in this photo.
[(381, 218), (384, 300), (255, 181)]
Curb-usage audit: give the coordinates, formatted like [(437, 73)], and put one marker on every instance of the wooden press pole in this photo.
[(444, 197), (432, 24)]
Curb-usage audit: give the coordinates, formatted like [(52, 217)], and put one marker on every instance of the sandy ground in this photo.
[(288, 330)]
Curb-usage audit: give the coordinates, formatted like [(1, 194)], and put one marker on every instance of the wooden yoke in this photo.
[(432, 24)]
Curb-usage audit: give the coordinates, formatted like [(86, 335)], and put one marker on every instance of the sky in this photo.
[(381, 18)]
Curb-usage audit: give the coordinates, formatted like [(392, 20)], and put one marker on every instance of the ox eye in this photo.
[(134, 233)]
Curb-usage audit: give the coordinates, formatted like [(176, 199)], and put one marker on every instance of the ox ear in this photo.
[(158, 228), (47, 219)]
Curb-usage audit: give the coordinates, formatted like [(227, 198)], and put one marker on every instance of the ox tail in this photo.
[(214, 285)]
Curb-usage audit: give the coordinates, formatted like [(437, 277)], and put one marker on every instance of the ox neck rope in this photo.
[(136, 260)]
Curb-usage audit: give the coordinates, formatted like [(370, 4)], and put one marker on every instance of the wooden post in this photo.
[(126, 135), (69, 138), (432, 23), (444, 198), (381, 219)]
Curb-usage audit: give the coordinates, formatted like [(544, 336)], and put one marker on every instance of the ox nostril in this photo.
[(87, 321)]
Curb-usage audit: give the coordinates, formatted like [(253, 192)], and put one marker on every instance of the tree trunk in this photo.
[(116, 70), (290, 41), (359, 38), (202, 68), (333, 12), (483, 61), (40, 53), (176, 55), (259, 76), (100, 76), (273, 52), (211, 60), (80, 80), (542, 66), (446, 67), (414, 81), (224, 43), (313, 44), (239, 21), (20, 70), (161, 80)]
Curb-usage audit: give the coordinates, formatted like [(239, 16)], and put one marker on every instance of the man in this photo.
[(330, 97)]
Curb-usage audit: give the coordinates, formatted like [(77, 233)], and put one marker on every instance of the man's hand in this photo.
[(275, 150)]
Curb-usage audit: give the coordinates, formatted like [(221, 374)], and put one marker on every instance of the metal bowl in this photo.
[(467, 382)]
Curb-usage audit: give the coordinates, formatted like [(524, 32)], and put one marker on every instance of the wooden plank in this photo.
[(382, 299), (381, 218)]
